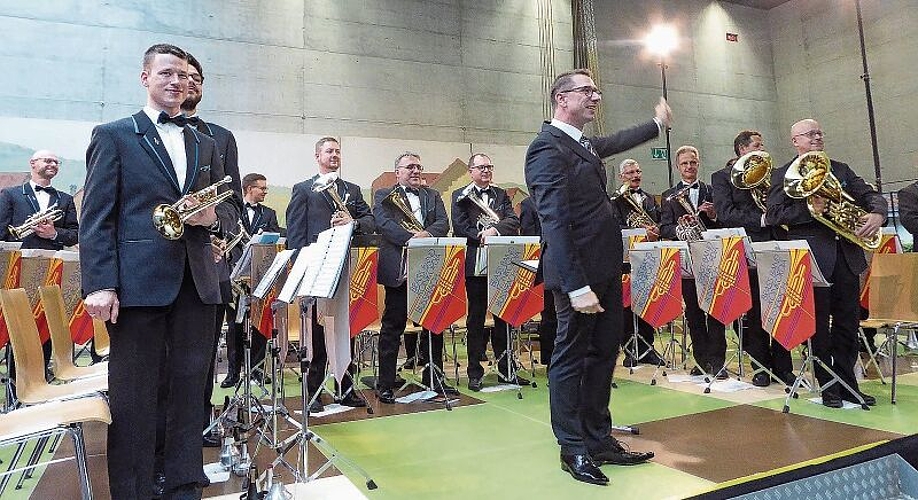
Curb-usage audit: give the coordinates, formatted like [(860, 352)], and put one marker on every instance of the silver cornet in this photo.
[(327, 183), (169, 220), (50, 214)]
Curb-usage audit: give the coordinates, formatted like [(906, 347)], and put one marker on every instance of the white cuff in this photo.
[(578, 292)]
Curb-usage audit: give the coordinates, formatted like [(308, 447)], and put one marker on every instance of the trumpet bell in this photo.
[(168, 221)]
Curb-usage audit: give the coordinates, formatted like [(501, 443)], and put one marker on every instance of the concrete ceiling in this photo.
[(758, 4)]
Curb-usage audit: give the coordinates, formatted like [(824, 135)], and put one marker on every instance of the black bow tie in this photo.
[(180, 119), (194, 121), (483, 191), (414, 191), (638, 191), (49, 189), (693, 185), (253, 207)]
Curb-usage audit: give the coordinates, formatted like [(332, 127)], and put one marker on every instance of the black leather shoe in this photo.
[(616, 454), (652, 358), (409, 364), (385, 396), (515, 380), (832, 400), (261, 377), (316, 406), (696, 372), (761, 379), (868, 399), (230, 381), (352, 400), (629, 362), (159, 484), (475, 384), (582, 468), (211, 441), (399, 381)]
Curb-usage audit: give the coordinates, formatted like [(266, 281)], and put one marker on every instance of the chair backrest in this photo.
[(100, 335), (52, 299), (894, 287), (30, 361)]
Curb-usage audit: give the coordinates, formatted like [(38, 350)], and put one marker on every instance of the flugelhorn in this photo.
[(811, 175), (637, 217), (488, 216), (408, 221), (752, 172), (50, 214), (327, 183), (169, 220)]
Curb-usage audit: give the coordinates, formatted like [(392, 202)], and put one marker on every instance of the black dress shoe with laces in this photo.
[(761, 379), (582, 468), (352, 400), (868, 399), (696, 372), (230, 381), (475, 384), (832, 400), (316, 406), (385, 396), (652, 357), (211, 441), (788, 378), (616, 454)]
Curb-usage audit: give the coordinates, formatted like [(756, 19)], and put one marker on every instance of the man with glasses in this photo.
[(469, 223), (18, 203), (840, 261), (308, 214), (629, 173), (582, 266), (428, 209)]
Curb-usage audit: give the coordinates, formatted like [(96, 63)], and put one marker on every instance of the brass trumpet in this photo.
[(488, 216), (811, 175), (752, 172), (408, 221), (50, 214), (169, 220), (327, 183), (242, 236), (637, 217)]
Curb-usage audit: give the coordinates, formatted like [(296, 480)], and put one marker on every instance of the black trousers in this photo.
[(235, 344), (476, 291), (319, 364), (151, 346), (709, 341), (580, 376), (394, 319), (548, 328), (644, 331), (837, 346)]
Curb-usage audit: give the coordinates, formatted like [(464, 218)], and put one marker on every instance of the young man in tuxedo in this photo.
[(308, 214), (468, 224), (428, 209), (156, 295), (18, 203), (582, 266)]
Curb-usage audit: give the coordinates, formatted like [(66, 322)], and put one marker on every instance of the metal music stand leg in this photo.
[(436, 374), (635, 342), (808, 364), (871, 354)]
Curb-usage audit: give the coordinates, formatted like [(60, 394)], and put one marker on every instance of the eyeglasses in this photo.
[(483, 168), (587, 90), (48, 161), (632, 172), (813, 133), (413, 166), (196, 78)]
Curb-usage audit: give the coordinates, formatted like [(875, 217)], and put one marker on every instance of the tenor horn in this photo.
[(408, 221), (637, 217), (170, 220), (488, 216)]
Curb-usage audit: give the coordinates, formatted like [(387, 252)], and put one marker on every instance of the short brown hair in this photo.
[(564, 79), (250, 179), (744, 139), (162, 48), (323, 140)]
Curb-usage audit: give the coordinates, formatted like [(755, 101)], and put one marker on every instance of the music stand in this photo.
[(631, 237)]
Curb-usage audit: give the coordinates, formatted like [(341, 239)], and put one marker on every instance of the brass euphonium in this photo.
[(687, 230), (637, 217), (169, 220), (50, 214), (811, 175), (752, 172), (327, 183), (488, 216), (408, 221)]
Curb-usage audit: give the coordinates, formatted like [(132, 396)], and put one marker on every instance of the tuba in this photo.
[(327, 183), (50, 214), (811, 175), (687, 230), (752, 172), (408, 221), (169, 220), (637, 217), (488, 216)]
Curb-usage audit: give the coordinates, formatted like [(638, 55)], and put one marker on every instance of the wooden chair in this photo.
[(50, 419), (102, 341), (64, 369)]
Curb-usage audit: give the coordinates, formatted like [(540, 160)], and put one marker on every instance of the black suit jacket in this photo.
[(309, 213), (394, 237), (265, 220), (649, 203), (529, 218), (801, 225), (908, 208), (737, 208), (17, 203), (128, 173), (465, 222), (581, 238), (672, 210)]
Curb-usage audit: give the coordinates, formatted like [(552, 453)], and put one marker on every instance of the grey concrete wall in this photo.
[(818, 67)]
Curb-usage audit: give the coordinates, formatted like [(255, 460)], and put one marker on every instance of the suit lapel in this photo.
[(581, 151), (30, 197), (153, 145), (192, 156)]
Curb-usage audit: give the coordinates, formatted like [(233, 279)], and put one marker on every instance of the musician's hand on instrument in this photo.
[(484, 233), (687, 219), (709, 210), (653, 233), (102, 305), (871, 224), (217, 247), (341, 218), (422, 234), (205, 217), (587, 303), (819, 204), (45, 229), (664, 113)]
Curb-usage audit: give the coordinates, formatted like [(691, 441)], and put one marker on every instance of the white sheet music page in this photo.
[(322, 276)]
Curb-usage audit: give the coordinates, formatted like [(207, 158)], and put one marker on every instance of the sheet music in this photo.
[(322, 275), (684, 253), (713, 234), (305, 256), (627, 234), (10, 245), (267, 281), (776, 246), (433, 242)]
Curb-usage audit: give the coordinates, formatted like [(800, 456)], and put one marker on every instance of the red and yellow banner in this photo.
[(363, 292), (656, 285), (730, 296), (888, 244), (10, 281), (788, 313), (436, 286), (626, 290), (523, 299)]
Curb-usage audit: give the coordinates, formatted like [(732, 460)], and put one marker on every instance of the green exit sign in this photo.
[(658, 153)]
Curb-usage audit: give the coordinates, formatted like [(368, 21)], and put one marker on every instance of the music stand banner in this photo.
[(656, 284), (626, 290), (34, 269), (436, 282), (512, 295), (262, 317), (786, 290), (11, 262), (722, 277), (364, 294), (889, 243)]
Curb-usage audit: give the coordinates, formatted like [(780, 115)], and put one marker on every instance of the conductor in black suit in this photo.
[(840, 261), (428, 210), (468, 223), (308, 214), (695, 206), (737, 208), (582, 266), (18, 203), (548, 324), (158, 296)]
